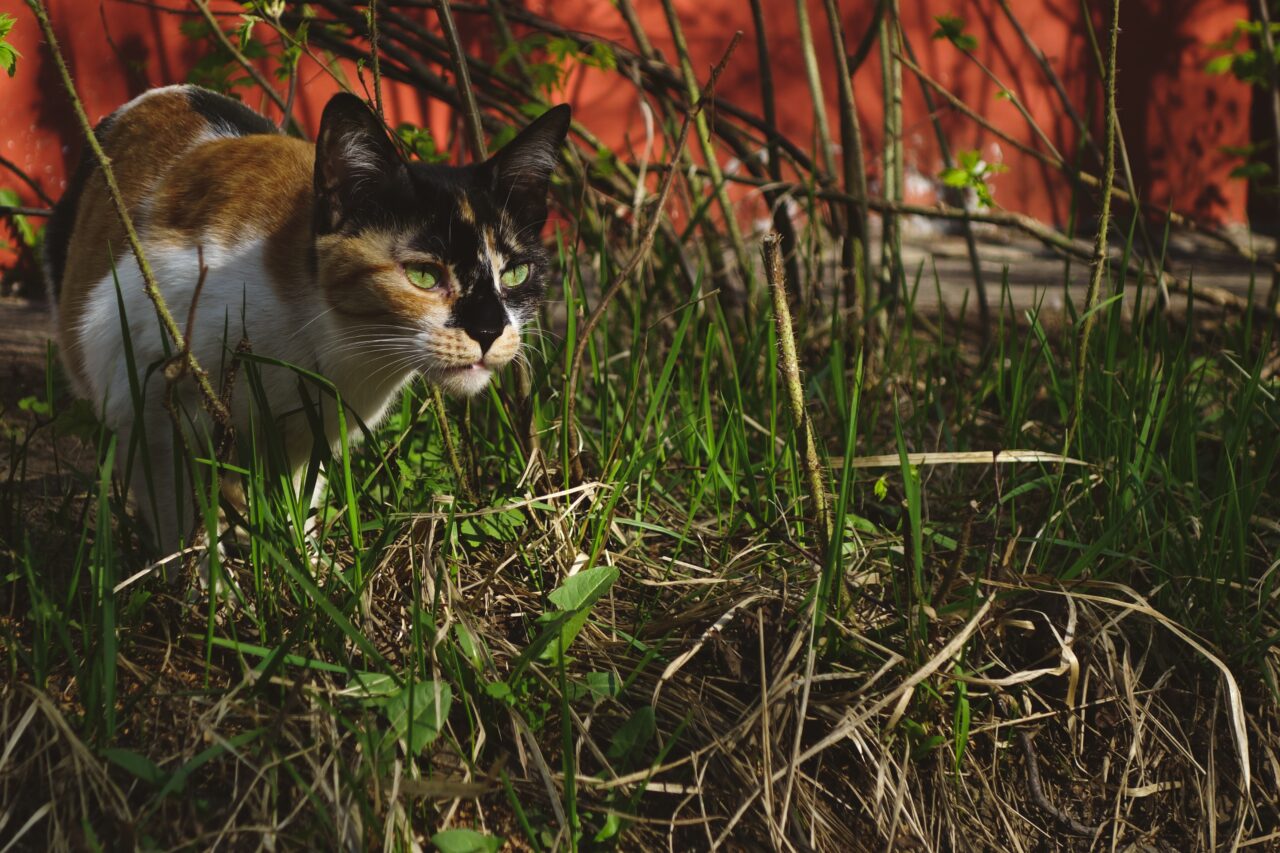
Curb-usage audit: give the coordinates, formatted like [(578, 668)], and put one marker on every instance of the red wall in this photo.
[(1175, 117)]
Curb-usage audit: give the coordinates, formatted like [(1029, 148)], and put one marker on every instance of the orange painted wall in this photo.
[(1175, 117)]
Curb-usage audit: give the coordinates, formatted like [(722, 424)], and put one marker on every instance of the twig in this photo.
[(646, 242), (1035, 787), (1029, 225), (446, 432), (1104, 222), (26, 179), (374, 54), (814, 77), (852, 259), (781, 215), (471, 111), (892, 283), (19, 210), (212, 402)]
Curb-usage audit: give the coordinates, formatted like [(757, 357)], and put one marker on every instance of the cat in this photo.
[(341, 258)]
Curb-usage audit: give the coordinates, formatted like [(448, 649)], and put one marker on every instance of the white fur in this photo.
[(236, 301)]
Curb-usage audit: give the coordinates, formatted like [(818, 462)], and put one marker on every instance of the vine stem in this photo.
[(1104, 220), (212, 401)]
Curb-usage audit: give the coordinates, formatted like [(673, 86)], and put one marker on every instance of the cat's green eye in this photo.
[(515, 276), (425, 276)]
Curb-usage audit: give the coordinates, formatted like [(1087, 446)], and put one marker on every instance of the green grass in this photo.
[(582, 664)]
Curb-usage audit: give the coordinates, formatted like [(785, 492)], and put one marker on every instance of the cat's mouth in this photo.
[(464, 379)]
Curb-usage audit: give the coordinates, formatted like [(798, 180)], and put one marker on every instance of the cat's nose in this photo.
[(484, 336)]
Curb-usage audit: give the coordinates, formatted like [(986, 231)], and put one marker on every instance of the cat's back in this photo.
[(192, 167)]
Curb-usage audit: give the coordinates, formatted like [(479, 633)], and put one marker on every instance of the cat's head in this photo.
[(426, 267)]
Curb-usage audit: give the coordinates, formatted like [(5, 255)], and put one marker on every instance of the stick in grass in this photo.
[(1104, 221), (795, 390)]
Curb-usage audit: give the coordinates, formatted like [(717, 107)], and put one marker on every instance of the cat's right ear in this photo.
[(358, 167)]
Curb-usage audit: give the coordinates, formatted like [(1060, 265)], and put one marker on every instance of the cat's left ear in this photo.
[(520, 173), (358, 168)]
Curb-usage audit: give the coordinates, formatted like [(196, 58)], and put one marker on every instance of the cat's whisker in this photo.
[(304, 326)]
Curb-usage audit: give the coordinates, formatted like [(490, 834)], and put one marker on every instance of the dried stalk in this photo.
[(26, 179), (777, 201), (1273, 75), (374, 54), (855, 177), (891, 284), (814, 77), (807, 448), (1104, 220), (21, 210)]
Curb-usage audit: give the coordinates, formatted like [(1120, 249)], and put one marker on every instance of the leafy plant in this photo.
[(952, 29), (9, 55), (971, 172)]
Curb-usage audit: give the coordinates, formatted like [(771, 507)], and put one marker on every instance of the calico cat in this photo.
[(340, 258)]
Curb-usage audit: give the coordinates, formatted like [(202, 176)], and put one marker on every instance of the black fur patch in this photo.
[(228, 115)]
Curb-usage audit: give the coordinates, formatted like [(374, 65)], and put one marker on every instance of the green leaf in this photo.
[(951, 28), (505, 526), (417, 714), (954, 177), (469, 646), (373, 687), (612, 826), (465, 841), (26, 231), (139, 765), (35, 405), (627, 745), (583, 589), (603, 684), (9, 55), (881, 488), (9, 58), (1251, 171), (1219, 64)]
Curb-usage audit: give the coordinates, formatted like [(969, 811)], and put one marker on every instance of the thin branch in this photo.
[(374, 55), (471, 111), (1104, 221), (19, 210), (26, 179)]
